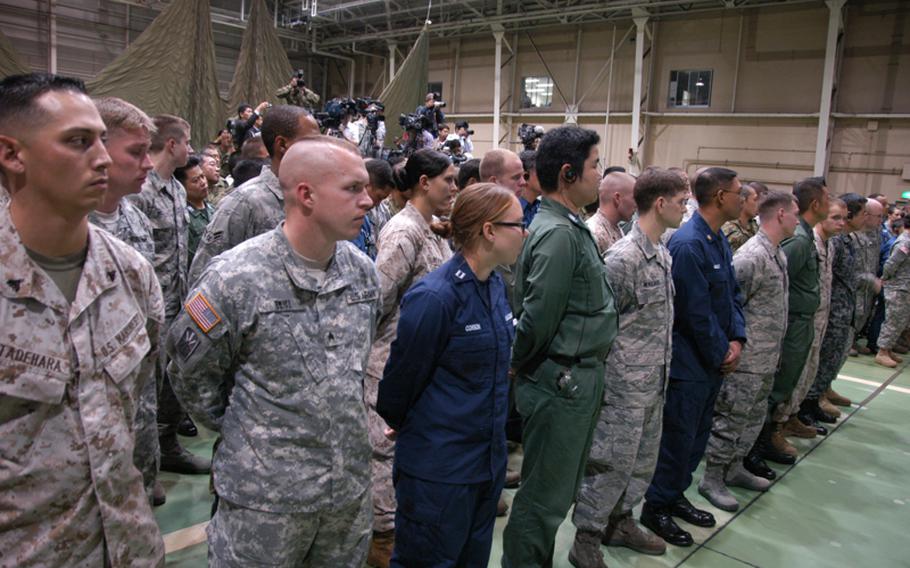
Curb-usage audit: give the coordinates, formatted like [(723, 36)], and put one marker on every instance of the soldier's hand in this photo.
[(877, 285), (731, 361), (390, 434)]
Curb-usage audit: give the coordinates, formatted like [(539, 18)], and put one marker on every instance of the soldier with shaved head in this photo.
[(270, 351), (616, 204)]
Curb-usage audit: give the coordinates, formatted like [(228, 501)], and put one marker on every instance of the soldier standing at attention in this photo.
[(269, 351), (741, 407), (868, 243), (566, 325), (199, 211), (163, 200), (616, 205), (740, 230), (627, 438), (896, 277), (128, 139), (803, 299), (80, 313), (708, 337)]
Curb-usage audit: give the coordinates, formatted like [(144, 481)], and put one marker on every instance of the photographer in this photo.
[(530, 135), (296, 93), (243, 126), (452, 148), (431, 111), (464, 133)]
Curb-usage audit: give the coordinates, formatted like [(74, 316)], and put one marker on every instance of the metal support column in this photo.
[(822, 142), (635, 138), (52, 36), (497, 83), (392, 46)]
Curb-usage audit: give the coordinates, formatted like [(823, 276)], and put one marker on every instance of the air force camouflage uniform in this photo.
[(252, 209), (741, 407), (627, 436), (408, 251), (896, 277), (70, 382), (134, 228), (273, 361)]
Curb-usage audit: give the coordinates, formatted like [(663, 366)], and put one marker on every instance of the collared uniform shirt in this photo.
[(133, 228), (445, 388), (70, 381), (273, 361), (528, 210), (708, 303), (761, 272), (604, 232), (737, 234), (164, 203), (252, 209)]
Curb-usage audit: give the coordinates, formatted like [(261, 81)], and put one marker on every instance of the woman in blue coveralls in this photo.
[(444, 392)]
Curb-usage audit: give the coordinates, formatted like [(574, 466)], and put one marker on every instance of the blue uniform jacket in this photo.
[(708, 303), (445, 386)]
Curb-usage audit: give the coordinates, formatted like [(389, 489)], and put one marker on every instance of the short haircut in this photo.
[(168, 127), (772, 201), (442, 127), (808, 190), (468, 170), (560, 146), (243, 107), (856, 204), (246, 170), (117, 113), (612, 169), (479, 203), (902, 223), (654, 183), (710, 181), (212, 150), (424, 162), (760, 188), (192, 161), (18, 94), (380, 173), (876, 195), (251, 148), (528, 160), (493, 163), (281, 120)]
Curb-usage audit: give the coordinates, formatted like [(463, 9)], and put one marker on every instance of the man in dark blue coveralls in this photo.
[(708, 336)]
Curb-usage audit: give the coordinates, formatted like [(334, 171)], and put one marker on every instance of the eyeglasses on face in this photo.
[(521, 224)]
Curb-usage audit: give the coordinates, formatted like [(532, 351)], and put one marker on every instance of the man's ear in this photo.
[(10, 155)]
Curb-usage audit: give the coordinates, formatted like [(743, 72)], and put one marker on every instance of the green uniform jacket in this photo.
[(566, 308), (802, 268)]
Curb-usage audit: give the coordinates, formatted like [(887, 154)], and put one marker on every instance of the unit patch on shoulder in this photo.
[(202, 312), (188, 343)]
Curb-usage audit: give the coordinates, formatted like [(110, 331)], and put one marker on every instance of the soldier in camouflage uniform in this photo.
[(896, 277), (80, 314), (257, 206), (787, 413), (868, 248), (163, 201), (616, 205), (128, 139), (296, 93), (738, 231), (627, 436), (270, 351), (409, 249), (741, 407), (839, 333)]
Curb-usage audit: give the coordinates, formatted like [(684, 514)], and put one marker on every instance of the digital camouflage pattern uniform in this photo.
[(252, 209), (626, 439), (825, 257), (134, 229), (896, 278), (868, 248), (408, 251), (737, 234), (299, 96), (273, 361), (839, 333), (741, 407), (604, 232), (71, 378)]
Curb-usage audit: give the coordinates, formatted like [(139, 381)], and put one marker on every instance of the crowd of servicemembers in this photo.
[(370, 341)]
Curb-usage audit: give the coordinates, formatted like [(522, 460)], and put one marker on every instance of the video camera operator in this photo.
[(297, 93), (417, 133), (431, 111), (336, 118), (243, 126), (371, 134), (530, 135)]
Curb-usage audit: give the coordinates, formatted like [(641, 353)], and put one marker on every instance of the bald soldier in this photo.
[(80, 313), (503, 167), (616, 204), (270, 352), (257, 206)]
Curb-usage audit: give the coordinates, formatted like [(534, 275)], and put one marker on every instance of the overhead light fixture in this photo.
[(699, 83)]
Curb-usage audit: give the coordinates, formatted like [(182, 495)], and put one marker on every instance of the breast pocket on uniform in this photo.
[(717, 283), (472, 357)]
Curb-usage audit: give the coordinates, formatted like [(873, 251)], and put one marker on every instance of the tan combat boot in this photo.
[(624, 531), (884, 359), (837, 399), (795, 427), (781, 444), (381, 546), (827, 407)]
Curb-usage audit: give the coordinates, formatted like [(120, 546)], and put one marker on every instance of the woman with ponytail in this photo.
[(411, 245), (445, 389)]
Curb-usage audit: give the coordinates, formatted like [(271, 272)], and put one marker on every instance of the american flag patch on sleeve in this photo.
[(202, 312)]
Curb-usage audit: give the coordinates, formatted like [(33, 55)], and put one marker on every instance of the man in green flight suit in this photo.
[(566, 325)]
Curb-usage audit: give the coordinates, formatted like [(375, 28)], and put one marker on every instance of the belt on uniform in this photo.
[(582, 362)]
